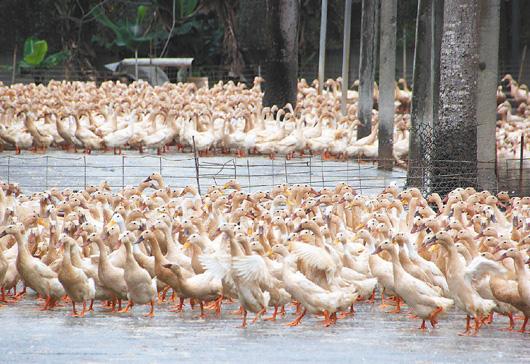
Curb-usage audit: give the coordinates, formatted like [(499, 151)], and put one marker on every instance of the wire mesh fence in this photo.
[(38, 173)]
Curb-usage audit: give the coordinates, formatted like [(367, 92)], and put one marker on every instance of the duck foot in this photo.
[(151, 312), (244, 323), (511, 324), (273, 317), (523, 327), (297, 320), (127, 308), (423, 326), (258, 315), (238, 312)]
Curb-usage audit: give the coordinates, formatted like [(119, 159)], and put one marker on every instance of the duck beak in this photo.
[(377, 250), (43, 222), (139, 240), (269, 253), (168, 266), (336, 241), (502, 257), (430, 242), (186, 245)]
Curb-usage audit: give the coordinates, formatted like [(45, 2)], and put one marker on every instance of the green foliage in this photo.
[(131, 35), (34, 56)]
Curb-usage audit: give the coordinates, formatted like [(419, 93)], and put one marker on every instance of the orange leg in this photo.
[(433, 316), (238, 312), (203, 315), (244, 324), (83, 312), (127, 308), (523, 327), (297, 320), (511, 324), (423, 327), (152, 310), (282, 312), (398, 307), (468, 326), (74, 312), (273, 317), (91, 308), (258, 315)]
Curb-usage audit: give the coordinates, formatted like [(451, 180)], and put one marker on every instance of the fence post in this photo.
[(46, 175), (310, 170), (196, 158), (285, 170), (8, 168), (248, 174), (160, 165), (322, 170), (84, 169), (122, 172), (272, 165), (521, 157), (235, 168)]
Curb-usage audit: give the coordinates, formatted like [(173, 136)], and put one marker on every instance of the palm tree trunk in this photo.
[(455, 130)]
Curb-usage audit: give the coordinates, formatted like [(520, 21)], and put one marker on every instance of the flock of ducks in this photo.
[(321, 251), (227, 118)]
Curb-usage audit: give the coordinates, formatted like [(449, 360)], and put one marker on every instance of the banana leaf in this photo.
[(34, 51)]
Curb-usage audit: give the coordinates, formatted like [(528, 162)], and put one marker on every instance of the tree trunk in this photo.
[(387, 79), (487, 84), (455, 131), (280, 70), (367, 66), (425, 98)]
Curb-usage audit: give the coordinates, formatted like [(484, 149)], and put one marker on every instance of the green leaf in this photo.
[(140, 14), (55, 59), (34, 51), (187, 7)]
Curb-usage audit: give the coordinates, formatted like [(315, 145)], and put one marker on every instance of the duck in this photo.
[(77, 285), (141, 288), (461, 290), (425, 302)]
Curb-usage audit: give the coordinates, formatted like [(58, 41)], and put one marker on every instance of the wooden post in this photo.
[(404, 53), (367, 66), (196, 158), (14, 70), (322, 47), (346, 56), (521, 65), (387, 74)]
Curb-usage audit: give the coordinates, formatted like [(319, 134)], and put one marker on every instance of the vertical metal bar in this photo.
[(8, 169), (46, 175), (272, 165), (14, 73), (122, 171), (310, 170), (160, 165), (322, 47), (196, 158), (404, 54), (285, 170), (248, 174), (521, 65), (84, 169), (521, 166), (322, 171), (346, 55), (348, 171)]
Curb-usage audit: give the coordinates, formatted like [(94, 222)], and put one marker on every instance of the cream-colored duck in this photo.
[(111, 277), (33, 272), (141, 288), (461, 290), (426, 302), (77, 285)]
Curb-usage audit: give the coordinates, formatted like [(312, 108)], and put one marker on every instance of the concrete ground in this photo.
[(30, 335)]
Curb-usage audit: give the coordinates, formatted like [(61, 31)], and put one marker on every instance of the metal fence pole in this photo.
[(272, 172), (322, 47), (235, 168), (346, 56), (521, 166), (122, 171), (46, 175), (310, 170), (322, 170), (196, 158), (84, 169), (285, 171), (160, 165), (8, 169)]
